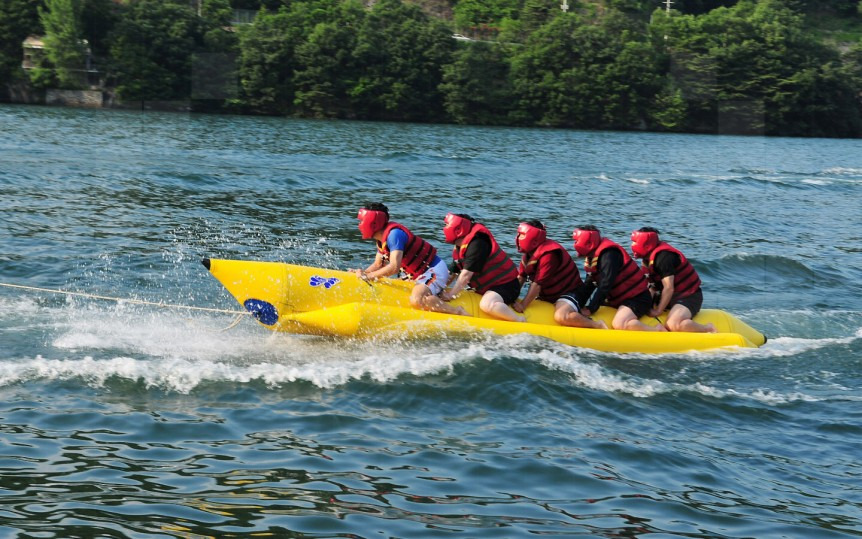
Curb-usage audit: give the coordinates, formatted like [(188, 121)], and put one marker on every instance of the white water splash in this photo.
[(183, 376), (328, 364), (587, 371), (843, 171), (176, 352), (592, 374), (640, 181), (12, 307)]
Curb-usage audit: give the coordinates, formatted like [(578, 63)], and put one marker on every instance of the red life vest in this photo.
[(629, 282), (418, 253), (564, 279), (686, 281), (498, 269)]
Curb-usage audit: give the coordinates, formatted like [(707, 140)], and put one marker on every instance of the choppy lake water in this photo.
[(126, 420)]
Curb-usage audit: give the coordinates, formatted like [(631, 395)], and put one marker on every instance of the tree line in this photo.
[(711, 66)]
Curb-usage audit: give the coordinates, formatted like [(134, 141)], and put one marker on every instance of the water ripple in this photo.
[(118, 420)]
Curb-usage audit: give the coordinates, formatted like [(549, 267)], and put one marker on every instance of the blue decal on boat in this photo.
[(263, 311), (326, 282)]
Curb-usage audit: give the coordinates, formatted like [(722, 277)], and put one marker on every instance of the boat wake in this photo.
[(100, 346)]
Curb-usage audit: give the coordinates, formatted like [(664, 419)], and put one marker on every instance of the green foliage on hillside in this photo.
[(18, 19), (64, 44), (752, 67), (791, 67)]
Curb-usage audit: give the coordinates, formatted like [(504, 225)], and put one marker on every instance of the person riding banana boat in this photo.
[(480, 263), (398, 249), (613, 278), (553, 276), (673, 281)]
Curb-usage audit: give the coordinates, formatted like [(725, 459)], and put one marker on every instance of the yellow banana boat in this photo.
[(317, 301)]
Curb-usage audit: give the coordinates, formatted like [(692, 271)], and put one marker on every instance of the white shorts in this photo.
[(435, 277)]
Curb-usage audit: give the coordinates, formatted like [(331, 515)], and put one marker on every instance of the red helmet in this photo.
[(456, 227), (586, 241), (370, 221), (643, 243), (533, 237)]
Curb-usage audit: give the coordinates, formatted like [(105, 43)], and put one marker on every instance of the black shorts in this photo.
[(640, 304), (508, 291), (693, 302)]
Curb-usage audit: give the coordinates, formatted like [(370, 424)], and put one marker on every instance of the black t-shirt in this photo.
[(665, 263), (477, 253), (609, 265)]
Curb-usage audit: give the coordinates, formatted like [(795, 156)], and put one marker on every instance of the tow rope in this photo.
[(240, 314)]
